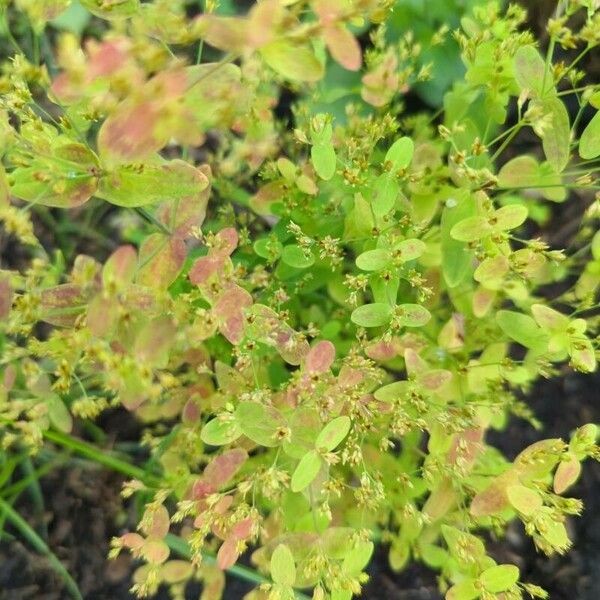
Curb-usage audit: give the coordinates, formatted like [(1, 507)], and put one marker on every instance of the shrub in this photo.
[(324, 302)]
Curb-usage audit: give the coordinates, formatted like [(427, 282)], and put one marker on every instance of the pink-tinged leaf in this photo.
[(106, 57), (493, 499), (181, 217), (132, 134), (102, 314), (382, 351), (466, 446), (320, 357), (567, 473), (62, 305), (269, 328), (190, 412), (154, 341), (161, 258), (6, 297), (226, 33), (133, 541), (229, 310), (349, 377), (139, 127), (120, 267), (10, 376), (343, 46), (158, 522), (226, 242), (213, 582), (222, 468), (266, 196), (155, 551), (202, 488), (227, 554), (434, 379), (414, 363), (243, 529), (482, 301), (177, 571), (223, 505), (205, 268)]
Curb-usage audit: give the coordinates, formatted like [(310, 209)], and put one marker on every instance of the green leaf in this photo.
[(471, 229), (333, 433), (219, 432), (523, 329), (294, 256), (385, 194), (524, 499), (412, 315), (358, 558), (306, 471), (268, 248), (151, 183), (465, 590), (499, 578), (556, 135), (400, 153), (374, 260), (74, 19), (589, 144), (372, 315), (59, 414), (529, 71), (456, 257), (259, 423), (408, 250), (283, 566), (323, 158), (115, 9), (510, 217), (392, 392), (292, 61)]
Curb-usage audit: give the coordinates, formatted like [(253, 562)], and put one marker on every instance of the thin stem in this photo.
[(99, 456), (507, 141), (40, 546), (152, 219)]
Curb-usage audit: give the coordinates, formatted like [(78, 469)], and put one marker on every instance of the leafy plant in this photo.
[(315, 315)]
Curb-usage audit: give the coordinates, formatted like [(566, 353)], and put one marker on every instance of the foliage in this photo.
[(316, 316)]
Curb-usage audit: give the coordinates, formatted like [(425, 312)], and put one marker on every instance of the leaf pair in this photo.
[(330, 437)]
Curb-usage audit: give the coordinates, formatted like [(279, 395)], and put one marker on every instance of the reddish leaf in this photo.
[(158, 522), (120, 267), (229, 310), (223, 467), (567, 473), (161, 258), (155, 551), (205, 268), (343, 46), (243, 529), (227, 554), (6, 297), (61, 305), (320, 357), (134, 541)]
